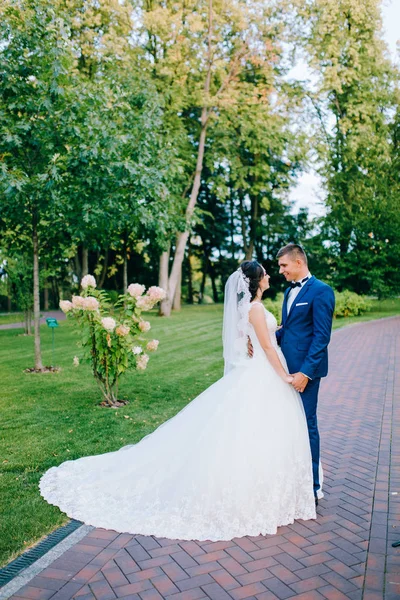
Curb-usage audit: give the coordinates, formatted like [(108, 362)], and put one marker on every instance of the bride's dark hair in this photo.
[(254, 272)]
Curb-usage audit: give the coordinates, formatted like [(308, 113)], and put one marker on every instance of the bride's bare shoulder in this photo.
[(256, 303), (256, 309)]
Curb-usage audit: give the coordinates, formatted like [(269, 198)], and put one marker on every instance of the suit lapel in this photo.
[(284, 306), (300, 295)]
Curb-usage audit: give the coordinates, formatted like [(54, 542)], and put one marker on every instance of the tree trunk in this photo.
[(232, 224), (249, 251), (45, 292), (203, 284), (211, 270), (9, 295), (190, 274), (253, 228), (243, 225), (46, 298), (55, 288), (183, 237), (163, 276), (125, 274), (78, 266), (178, 294), (104, 270), (36, 295), (85, 261)]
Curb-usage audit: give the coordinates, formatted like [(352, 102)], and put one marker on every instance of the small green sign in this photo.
[(51, 322)]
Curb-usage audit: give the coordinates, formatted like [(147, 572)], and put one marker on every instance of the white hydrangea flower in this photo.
[(108, 323), (141, 362), (88, 281), (156, 293), (90, 303), (78, 302), (144, 326), (65, 305), (152, 345), (136, 290)]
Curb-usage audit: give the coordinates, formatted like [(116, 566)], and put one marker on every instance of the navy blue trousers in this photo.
[(310, 401)]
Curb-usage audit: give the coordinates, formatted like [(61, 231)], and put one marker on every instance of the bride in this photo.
[(235, 461)]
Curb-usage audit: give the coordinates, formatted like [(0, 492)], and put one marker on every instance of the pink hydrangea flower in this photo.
[(152, 345), (136, 290), (156, 293), (141, 362), (90, 303), (78, 302), (108, 323), (88, 281), (122, 330), (65, 305), (145, 303), (144, 326)]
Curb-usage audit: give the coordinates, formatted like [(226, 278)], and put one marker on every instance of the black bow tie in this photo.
[(294, 284)]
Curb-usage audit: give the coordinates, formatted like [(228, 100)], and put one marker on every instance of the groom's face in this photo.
[(289, 268)]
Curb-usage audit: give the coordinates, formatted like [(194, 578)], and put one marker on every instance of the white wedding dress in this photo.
[(236, 461)]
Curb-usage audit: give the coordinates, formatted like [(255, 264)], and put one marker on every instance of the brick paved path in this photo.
[(346, 553)]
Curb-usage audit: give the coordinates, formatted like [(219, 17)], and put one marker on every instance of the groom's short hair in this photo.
[(294, 250)]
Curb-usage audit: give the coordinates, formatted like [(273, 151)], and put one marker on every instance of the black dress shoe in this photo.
[(316, 501)]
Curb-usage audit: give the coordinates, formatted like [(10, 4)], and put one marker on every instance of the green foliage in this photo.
[(355, 94), (20, 278), (275, 306), (350, 304), (100, 108)]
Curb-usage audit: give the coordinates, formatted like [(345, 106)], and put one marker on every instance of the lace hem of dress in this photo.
[(189, 519)]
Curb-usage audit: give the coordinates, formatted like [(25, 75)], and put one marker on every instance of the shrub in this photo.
[(350, 304)]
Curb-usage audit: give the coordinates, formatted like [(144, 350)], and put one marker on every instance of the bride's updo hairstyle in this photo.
[(254, 272)]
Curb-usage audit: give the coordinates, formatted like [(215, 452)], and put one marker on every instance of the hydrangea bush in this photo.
[(113, 340)]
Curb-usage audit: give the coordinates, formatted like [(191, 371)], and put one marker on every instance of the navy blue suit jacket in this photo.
[(306, 331)]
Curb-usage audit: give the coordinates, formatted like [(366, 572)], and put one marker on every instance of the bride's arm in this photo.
[(257, 319)]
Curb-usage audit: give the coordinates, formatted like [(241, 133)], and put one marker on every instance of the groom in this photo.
[(307, 314)]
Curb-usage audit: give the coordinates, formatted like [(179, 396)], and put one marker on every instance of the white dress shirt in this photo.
[(294, 291)]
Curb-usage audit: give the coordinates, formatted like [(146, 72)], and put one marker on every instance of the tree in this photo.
[(354, 99), (34, 62), (198, 52)]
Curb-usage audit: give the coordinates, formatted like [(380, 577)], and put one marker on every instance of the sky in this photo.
[(308, 191)]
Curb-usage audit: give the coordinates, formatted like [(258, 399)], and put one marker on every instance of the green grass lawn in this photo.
[(49, 418)]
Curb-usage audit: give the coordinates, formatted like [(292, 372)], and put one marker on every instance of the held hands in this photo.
[(289, 379), (249, 348), (299, 382)]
